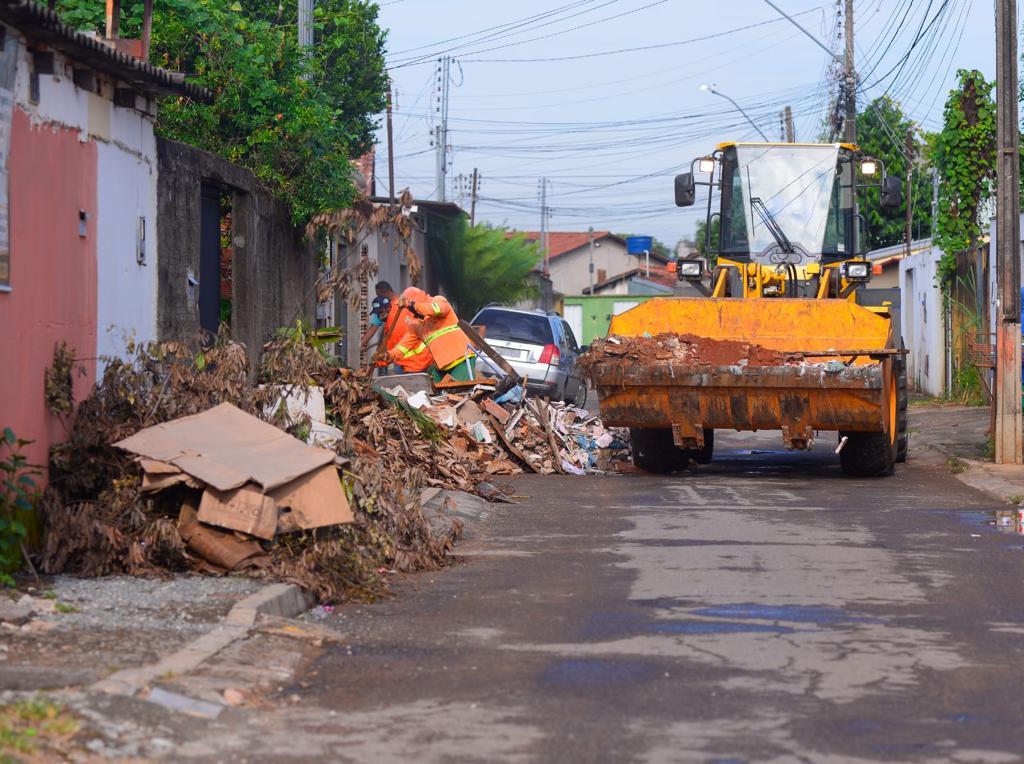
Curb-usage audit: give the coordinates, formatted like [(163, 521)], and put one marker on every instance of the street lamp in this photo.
[(711, 89)]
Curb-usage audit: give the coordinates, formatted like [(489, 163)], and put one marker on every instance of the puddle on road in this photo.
[(622, 626), (577, 671), (1007, 521), (817, 614)]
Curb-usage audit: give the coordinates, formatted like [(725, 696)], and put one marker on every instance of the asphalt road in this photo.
[(761, 609)]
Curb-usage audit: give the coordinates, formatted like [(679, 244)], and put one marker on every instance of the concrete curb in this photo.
[(982, 476), (282, 600)]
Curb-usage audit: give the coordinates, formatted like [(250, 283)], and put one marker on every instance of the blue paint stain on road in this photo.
[(586, 671), (816, 614)]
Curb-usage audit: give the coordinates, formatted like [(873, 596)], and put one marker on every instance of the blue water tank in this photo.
[(637, 245)]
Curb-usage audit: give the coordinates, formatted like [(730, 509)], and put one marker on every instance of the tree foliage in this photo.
[(882, 130), (964, 153), (709, 253), (480, 265), (294, 117)]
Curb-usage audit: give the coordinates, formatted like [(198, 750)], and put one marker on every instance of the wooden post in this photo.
[(1008, 336), (147, 28)]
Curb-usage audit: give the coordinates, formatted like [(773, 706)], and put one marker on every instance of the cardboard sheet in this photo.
[(221, 551), (227, 448), (244, 509), (312, 501)]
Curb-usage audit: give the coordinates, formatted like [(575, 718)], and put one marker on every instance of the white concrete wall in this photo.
[(993, 290), (923, 326), (126, 177), (126, 294)]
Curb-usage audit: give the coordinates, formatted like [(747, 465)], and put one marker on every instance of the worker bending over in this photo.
[(435, 324)]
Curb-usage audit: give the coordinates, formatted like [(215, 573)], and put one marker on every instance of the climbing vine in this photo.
[(965, 154)]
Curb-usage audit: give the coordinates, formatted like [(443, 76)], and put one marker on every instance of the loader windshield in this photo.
[(785, 203)]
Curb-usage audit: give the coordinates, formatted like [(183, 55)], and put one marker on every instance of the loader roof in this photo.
[(730, 144)]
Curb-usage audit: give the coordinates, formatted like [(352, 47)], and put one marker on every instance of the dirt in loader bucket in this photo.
[(686, 349)]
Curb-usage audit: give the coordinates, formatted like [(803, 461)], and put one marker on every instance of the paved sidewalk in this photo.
[(958, 435), (92, 657)]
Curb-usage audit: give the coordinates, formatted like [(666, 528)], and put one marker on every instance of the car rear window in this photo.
[(515, 327)]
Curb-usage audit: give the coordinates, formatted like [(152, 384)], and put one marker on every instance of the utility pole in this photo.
[(1008, 337), (909, 199), (790, 130), (441, 132), (473, 189), (391, 152), (850, 121), (544, 224), (591, 232), (305, 23), (850, 79), (935, 200)]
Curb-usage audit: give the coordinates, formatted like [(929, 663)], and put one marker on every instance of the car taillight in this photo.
[(550, 355)]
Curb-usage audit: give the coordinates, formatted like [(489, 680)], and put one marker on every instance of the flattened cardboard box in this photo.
[(226, 448)]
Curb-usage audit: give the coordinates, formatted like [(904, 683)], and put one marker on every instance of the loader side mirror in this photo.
[(686, 190), (891, 193)]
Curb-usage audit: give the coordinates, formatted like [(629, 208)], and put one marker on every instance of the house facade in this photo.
[(78, 207), (569, 256)]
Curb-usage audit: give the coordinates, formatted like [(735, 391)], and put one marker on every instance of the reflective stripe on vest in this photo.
[(411, 351), (437, 308), (441, 332)]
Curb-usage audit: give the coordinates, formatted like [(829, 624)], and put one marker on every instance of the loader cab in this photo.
[(786, 207)]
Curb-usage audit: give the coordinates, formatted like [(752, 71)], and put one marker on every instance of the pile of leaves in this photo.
[(98, 522)]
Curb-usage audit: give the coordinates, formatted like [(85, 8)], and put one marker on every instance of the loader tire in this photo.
[(654, 450), (902, 415), (867, 454)]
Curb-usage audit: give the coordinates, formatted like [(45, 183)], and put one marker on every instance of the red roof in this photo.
[(561, 242)]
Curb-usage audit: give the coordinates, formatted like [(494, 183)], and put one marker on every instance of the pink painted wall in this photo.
[(53, 275)]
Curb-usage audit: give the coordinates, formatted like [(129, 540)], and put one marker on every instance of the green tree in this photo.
[(294, 117), (964, 152), (882, 130), (479, 265), (700, 237)]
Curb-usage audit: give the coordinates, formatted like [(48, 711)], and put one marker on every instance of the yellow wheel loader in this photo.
[(788, 283)]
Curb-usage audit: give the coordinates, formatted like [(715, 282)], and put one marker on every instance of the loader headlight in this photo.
[(706, 165), (856, 271), (689, 269)]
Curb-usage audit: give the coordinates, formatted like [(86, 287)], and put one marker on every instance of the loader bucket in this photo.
[(799, 393)]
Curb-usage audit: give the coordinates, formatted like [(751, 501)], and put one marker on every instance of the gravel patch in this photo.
[(186, 604)]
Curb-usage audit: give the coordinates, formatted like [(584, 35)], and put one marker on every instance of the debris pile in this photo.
[(686, 349), (531, 435), (183, 459)]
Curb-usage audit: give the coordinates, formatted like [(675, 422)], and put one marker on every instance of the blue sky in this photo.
[(603, 97)]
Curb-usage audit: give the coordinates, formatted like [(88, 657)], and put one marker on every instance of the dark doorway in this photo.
[(209, 259)]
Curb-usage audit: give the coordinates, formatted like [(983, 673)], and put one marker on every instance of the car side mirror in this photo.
[(686, 190), (891, 192)]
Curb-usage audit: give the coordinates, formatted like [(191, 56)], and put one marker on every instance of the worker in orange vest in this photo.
[(437, 326), (405, 347)]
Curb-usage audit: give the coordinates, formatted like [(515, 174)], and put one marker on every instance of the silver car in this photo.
[(540, 347)]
